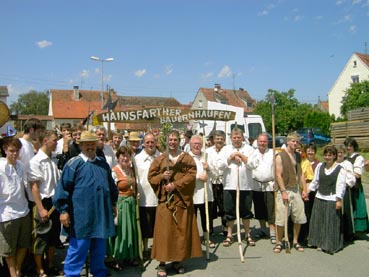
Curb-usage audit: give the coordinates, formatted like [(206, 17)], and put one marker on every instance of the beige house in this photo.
[(355, 70), (238, 98)]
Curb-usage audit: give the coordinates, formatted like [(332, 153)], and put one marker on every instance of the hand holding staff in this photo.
[(238, 215)]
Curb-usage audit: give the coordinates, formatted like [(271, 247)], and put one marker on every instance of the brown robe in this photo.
[(175, 241)]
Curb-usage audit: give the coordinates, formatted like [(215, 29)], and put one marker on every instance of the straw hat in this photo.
[(133, 136), (87, 136)]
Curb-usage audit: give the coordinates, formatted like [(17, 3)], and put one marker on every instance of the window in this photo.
[(355, 63), (254, 130), (355, 78)]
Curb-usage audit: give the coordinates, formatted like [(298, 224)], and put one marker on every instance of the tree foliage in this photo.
[(356, 96), (318, 119), (31, 103), (289, 114)]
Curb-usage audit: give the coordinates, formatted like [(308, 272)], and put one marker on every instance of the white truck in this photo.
[(251, 125)]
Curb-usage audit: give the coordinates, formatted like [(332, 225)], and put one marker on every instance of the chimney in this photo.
[(217, 87), (241, 89), (76, 93)]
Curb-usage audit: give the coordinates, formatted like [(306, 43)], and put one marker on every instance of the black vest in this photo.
[(327, 183), (352, 160)]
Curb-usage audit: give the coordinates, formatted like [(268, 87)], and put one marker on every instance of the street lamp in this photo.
[(102, 75), (102, 84)]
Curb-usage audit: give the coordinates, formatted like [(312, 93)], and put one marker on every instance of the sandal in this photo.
[(114, 265), (228, 241), (162, 272), (250, 241), (278, 248), (298, 247), (178, 268), (273, 239), (211, 244)]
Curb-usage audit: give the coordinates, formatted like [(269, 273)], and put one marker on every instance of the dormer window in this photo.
[(355, 78)]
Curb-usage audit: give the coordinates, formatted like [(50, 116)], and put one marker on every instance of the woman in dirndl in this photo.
[(126, 241), (361, 222), (347, 212), (329, 182)]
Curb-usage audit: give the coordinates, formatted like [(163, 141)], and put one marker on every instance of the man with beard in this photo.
[(172, 175)]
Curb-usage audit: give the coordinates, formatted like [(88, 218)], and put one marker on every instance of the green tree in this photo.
[(31, 103), (288, 112), (318, 119), (357, 96)]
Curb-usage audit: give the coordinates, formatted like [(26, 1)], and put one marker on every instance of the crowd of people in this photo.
[(111, 197)]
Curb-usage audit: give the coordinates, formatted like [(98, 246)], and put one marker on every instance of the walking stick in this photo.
[(286, 241), (238, 216), (139, 231), (206, 200), (272, 100)]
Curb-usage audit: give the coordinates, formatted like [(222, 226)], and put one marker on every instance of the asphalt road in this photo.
[(260, 260)]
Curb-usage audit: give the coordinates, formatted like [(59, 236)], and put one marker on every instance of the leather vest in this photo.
[(291, 175)]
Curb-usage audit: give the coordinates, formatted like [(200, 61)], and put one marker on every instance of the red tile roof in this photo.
[(65, 106), (237, 98), (324, 106), (364, 58)]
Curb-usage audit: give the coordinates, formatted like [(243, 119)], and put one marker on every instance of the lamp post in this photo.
[(102, 84), (102, 75)]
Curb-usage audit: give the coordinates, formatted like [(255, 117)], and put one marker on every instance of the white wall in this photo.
[(344, 81)]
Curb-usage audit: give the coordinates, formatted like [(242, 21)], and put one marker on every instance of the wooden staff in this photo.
[(238, 216), (138, 220), (206, 198), (272, 100), (287, 243)]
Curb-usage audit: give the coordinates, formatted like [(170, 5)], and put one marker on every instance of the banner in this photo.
[(164, 115)]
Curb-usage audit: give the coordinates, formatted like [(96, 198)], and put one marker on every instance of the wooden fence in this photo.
[(356, 127)]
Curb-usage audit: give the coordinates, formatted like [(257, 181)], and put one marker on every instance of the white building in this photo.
[(356, 70)]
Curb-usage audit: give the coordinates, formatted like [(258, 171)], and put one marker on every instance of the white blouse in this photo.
[(340, 183)]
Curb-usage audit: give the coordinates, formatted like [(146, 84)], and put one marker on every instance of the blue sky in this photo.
[(172, 47)]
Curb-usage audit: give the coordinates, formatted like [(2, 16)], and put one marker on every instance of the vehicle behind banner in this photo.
[(251, 125)]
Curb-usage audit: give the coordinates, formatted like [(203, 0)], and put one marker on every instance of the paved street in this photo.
[(260, 260)]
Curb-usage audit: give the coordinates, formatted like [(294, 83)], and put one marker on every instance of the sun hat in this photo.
[(87, 136), (133, 136)]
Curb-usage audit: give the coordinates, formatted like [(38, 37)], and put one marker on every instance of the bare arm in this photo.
[(279, 177), (37, 198)]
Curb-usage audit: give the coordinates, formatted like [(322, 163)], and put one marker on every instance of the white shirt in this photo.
[(13, 201), (44, 171), (59, 147), (142, 162), (199, 194), (26, 153), (230, 171), (262, 166), (109, 155), (358, 164), (215, 174), (340, 183), (350, 176)]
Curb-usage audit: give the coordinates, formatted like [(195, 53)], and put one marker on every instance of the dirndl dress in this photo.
[(126, 240)]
